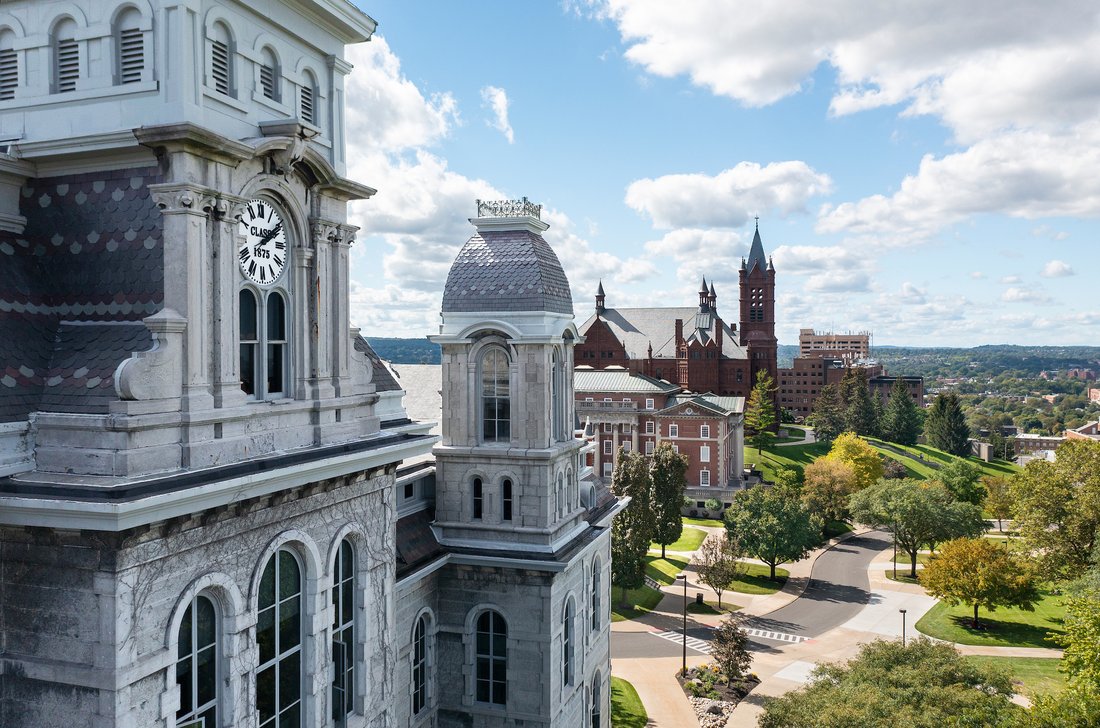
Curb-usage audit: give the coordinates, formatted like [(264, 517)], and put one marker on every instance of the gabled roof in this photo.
[(619, 380), (638, 328), (724, 406)]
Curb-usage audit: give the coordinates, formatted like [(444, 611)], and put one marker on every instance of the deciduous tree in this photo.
[(760, 412), (827, 485), (827, 417), (919, 513), (998, 499), (667, 473), (771, 526), (717, 563), (945, 426), (857, 453), (632, 529), (1081, 638), (729, 647), (901, 419), (962, 479), (980, 573)]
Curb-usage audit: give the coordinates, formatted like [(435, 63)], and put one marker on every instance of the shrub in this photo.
[(713, 504)]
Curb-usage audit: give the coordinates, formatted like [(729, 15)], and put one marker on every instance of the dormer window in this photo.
[(270, 75), (9, 66), (221, 76), (308, 98), (66, 57), (129, 48)]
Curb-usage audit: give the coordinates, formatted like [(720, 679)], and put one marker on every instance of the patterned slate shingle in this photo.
[(380, 374), (507, 270), (82, 367)]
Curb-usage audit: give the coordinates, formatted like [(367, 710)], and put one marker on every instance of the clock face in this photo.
[(262, 255)]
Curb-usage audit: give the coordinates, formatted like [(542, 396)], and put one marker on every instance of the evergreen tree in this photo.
[(632, 529), (668, 474), (760, 412), (901, 419), (859, 409), (945, 427), (828, 414)]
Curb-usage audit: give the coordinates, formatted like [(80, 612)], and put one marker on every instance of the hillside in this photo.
[(405, 351)]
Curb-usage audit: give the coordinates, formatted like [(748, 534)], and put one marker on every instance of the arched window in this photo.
[(307, 99), (9, 65), (597, 701), (129, 47), (250, 339), (506, 500), (276, 343), (264, 301), (595, 595), (420, 665), (343, 632), (197, 663), (557, 397), (270, 75), (478, 495), (66, 56), (491, 655), (279, 638), (222, 76), (567, 643), (559, 492), (495, 402)]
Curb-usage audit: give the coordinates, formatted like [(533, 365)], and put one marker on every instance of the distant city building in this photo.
[(1088, 431), (1081, 374), (1030, 444), (847, 346)]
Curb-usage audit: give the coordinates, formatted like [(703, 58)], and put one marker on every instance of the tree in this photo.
[(760, 412), (998, 499), (827, 417), (859, 410), (632, 529), (922, 684), (962, 478), (980, 573), (945, 426), (919, 513), (901, 419), (667, 472), (857, 453), (1057, 508), (827, 485), (717, 563), (1081, 638), (771, 526), (729, 646)]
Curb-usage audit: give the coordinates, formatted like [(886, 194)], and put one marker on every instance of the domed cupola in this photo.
[(506, 265)]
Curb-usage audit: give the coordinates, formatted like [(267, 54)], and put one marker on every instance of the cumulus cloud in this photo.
[(1010, 280), (1019, 294), (911, 294), (1056, 269), (496, 99), (729, 198), (700, 252), (977, 275)]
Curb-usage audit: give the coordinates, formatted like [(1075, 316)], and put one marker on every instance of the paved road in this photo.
[(839, 588)]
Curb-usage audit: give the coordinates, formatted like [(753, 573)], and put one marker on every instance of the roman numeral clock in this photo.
[(262, 255)]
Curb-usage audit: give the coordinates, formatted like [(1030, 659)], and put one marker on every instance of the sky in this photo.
[(927, 170)]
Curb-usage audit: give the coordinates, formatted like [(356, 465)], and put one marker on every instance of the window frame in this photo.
[(507, 499), (477, 498), (343, 591), (198, 711), (229, 48), (673, 430), (67, 56), (704, 431), (595, 597), (502, 428), (421, 665), (704, 478), (280, 655), (493, 660), (263, 296), (569, 643)]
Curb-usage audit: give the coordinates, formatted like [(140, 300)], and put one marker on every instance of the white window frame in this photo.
[(704, 431), (280, 657), (343, 578), (649, 427), (608, 469), (196, 712), (649, 403), (607, 445), (497, 438), (704, 478), (704, 454), (649, 447), (673, 430)]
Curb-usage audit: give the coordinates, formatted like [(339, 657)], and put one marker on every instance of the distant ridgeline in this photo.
[(1023, 361), (785, 354), (405, 351)]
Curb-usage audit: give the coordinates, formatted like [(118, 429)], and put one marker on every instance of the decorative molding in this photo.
[(158, 372), (509, 208)]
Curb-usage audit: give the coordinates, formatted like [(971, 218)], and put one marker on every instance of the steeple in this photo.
[(713, 298), (756, 252), (704, 294), (599, 298)]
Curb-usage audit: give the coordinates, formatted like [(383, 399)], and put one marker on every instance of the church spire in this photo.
[(599, 297), (756, 251)]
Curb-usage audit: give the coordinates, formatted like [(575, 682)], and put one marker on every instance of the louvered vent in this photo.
[(308, 112), (219, 56), (131, 55), (68, 65), (267, 81), (9, 74)]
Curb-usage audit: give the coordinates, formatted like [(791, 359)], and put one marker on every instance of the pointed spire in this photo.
[(599, 298), (756, 251), (703, 288), (599, 291), (712, 293)]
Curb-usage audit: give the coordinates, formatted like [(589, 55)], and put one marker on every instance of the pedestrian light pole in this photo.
[(902, 627), (684, 666), (895, 535)]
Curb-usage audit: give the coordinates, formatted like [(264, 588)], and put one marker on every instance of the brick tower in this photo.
[(758, 309)]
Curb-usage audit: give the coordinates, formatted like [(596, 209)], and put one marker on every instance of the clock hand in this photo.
[(274, 231)]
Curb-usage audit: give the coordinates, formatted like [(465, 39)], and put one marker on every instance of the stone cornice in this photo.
[(188, 137)]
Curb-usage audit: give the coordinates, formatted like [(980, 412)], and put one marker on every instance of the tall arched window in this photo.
[(197, 663), (478, 495), (506, 500), (568, 643), (222, 76), (491, 655), (275, 362), (9, 65), (307, 99), (66, 56), (495, 400), (596, 595), (270, 75), (597, 701), (129, 47), (420, 665), (250, 339), (343, 633), (279, 638), (557, 399)]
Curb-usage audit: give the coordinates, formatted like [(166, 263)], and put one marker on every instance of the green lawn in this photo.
[(664, 570), (689, 540), (627, 710), (1036, 675), (903, 558), (755, 580), (712, 607), (836, 528), (903, 576), (914, 468), (795, 457), (1008, 626), (703, 522), (917, 468), (641, 600)]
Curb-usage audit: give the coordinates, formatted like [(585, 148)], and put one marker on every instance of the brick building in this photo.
[(848, 346)]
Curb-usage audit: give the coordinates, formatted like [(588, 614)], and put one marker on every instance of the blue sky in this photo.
[(926, 172)]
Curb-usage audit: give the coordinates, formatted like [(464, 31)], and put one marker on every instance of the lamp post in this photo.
[(684, 666), (894, 533), (902, 627)]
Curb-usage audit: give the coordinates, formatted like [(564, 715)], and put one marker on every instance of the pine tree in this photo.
[(668, 474), (945, 427), (828, 414), (859, 410), (760, 412), (632, 529), (901, 420)]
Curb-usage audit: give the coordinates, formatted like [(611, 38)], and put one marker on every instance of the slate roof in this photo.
[(722, 405), (618, 380), (507, 270), (416, 542), (637, 328), (756, 254), (381, 375)]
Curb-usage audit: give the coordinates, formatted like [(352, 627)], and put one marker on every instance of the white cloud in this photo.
[(497, 101), (729, 198), (1017, 294), (911, 294), (1056, 269), (1010, 280), (977, 275)]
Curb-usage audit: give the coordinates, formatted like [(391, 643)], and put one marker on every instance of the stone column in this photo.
[(226, 302), (341, 312)]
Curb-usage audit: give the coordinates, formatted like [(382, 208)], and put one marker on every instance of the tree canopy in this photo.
[(962, 479), (980, 573), (945, 426), (922, 684), (826, 487), (760, 412), (860, 416), (827, 417), (857, 453), (901, 420), (632, 529), (667, 470), (772, 526), (717, 563), (919, 513)]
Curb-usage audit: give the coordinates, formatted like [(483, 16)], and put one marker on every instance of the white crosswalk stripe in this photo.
[(692, 642), (776, 636)]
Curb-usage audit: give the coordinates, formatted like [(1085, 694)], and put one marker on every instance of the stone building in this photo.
[(200, 461)]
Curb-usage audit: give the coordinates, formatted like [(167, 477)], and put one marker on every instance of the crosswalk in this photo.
[(692, 642), (776, 636), (703, 646)]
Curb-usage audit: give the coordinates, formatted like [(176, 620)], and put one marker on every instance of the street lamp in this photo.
[(684, 666), (902, 627)]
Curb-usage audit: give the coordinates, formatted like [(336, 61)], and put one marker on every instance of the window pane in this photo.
[(185, 634), (291, 717), (248, 315), (206, 678), (207, 624), (267, 585), (265, 693), (289, 578), (183, 680), (289, 625), (265, 634), (276, 318), (347, 560), (289, 680), (275, 367), (248, 368)]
